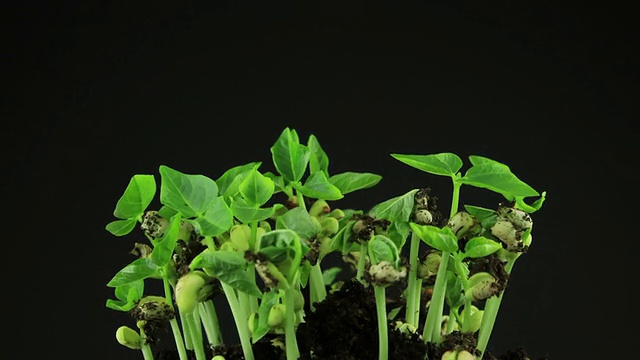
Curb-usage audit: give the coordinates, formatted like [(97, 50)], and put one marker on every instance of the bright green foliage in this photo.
[(233, 237)]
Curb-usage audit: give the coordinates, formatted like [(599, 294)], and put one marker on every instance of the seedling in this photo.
[(260, 238)]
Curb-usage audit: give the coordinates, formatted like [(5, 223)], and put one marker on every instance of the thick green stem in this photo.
[(381, 309), (209, 317), (145, 347), (431, 331), (175, 328), (240, 319), (433, 323), (362, 261), (491, 307), (318, 291), (412, 313), (194, 327), (291, 342), (177, 336)]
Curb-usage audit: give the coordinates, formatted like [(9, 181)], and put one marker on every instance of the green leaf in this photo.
[(381, 248), (497, 177), (121, 227), (136, 197), (217, 219), (248, 213), (454, 292), (229, 182), (318, 186), (228, 267), (298, 220), (343, 240), (191, 195), (138, 269), (398, 233), (289, 156), (329, 275), (444, 164), (127, 295), (535, 206), (442, 239), (349, 181), (163, 250), (398, 208), (281, 245), (319, 161), (480, 246), (487, 217), (256, 188)]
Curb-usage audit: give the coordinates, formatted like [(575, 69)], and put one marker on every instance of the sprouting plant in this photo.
[(259, 239)]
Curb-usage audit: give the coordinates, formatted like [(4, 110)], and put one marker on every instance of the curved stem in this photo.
[(145, 347)]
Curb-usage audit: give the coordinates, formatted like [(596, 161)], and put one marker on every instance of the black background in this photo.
[(95, 92)]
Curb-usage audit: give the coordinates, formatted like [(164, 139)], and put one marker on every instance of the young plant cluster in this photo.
[(259, 239)]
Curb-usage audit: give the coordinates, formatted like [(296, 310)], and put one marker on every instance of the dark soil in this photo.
[(344, 327)]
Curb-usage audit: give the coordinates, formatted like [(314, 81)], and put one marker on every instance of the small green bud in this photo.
[(450, 355), (475, 319), (429, 264), (251, 322), (337, 214), (128, 337), (240, 234), (218, 357), (406, 328), (298, 301), (277, 315), (319, 208), (329, 226), (229, 246)]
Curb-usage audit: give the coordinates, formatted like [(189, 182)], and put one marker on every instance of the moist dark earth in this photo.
[(344, 327)]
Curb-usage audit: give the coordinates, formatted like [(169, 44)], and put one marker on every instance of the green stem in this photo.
[(434, 314), (300, 198), (291, 342), (412, 313), (491, 307), (381, 309), (431, 331), (318, 291), (195, 329), (175, 328), (462, 275), (362, 261), (144, 346), (240, 319), (209, 318), (177, 335)]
